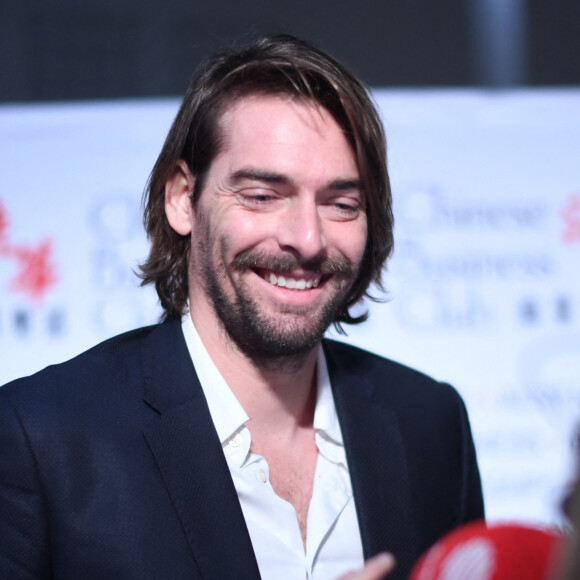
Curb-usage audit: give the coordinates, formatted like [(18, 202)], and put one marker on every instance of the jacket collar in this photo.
[(376, 455), (187, 450)]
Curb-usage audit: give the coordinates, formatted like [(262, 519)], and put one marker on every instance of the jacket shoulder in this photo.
[(429, 420), (419, 401), (385, 374), (115, 357)]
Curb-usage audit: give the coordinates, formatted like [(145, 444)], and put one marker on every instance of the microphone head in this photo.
[(478, 551)]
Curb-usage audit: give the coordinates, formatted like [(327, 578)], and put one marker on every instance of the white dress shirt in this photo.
[(333, 543)]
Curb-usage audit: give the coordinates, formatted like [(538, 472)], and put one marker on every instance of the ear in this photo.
[(178, 190)]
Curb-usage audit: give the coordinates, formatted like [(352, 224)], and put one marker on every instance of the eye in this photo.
[(257, 199), (253, 198), (342, 208), (347, 208)]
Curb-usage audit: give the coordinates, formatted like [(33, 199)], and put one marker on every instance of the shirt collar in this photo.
[(327, 433), (325, 417), (227, 413)]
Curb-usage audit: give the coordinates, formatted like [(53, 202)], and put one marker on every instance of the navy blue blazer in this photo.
[(110, 466)]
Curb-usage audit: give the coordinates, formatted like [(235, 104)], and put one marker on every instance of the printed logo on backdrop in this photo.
[(118, 245), (570, 215), (469, 265), (549, 364), (29, 273), (549, 368), (425, 208)]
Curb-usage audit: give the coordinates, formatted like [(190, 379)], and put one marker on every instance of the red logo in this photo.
[(36, 272), (571, 216)]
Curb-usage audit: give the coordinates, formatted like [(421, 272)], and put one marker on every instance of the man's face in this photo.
[(279, 230)]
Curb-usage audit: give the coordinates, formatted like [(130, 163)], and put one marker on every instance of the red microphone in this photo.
[(478, 551)]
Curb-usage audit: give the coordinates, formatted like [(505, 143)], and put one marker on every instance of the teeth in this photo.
[(291, 283)]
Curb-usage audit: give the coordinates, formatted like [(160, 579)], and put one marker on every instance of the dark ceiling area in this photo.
[(75, 49)]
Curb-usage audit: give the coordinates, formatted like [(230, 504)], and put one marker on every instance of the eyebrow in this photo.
[(259, 175), (271, 177), (346, 184)]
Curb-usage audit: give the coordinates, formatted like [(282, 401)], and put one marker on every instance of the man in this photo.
[(232, 441)]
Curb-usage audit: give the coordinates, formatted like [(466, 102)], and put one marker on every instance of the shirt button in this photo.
[(262, 476), (235, 441)]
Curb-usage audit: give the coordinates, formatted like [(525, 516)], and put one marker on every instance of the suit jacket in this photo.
[(110, 466)]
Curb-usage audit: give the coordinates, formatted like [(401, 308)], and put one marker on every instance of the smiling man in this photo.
[(232, 440)]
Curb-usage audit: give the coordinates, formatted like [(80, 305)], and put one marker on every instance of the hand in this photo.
[(375, 568)]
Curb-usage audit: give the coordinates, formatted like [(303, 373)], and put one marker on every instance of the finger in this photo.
[(375, 568)]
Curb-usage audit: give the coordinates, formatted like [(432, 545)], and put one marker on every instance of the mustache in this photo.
[(287, 263)]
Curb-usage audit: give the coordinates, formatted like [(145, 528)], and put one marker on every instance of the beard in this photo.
[(290, 332)]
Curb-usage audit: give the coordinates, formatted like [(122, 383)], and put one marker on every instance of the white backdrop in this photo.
[(484, 287)]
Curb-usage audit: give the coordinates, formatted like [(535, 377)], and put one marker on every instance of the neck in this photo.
[(278, 393)]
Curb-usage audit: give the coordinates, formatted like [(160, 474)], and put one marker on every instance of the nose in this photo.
[(302, 230)]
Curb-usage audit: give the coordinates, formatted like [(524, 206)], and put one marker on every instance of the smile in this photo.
[(291, 283)]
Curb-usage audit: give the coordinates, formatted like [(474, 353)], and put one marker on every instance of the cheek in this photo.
[(351, 241), (226, 239), (244, 230)]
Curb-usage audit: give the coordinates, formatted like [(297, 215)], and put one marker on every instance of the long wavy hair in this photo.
[(275, 65)]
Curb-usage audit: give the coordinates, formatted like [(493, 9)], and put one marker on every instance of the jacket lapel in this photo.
[(376, 459), (185, 445)]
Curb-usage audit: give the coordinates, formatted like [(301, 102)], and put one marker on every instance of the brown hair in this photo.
[(274, 65)]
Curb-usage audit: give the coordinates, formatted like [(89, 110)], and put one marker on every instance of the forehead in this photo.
[(285, 130)]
